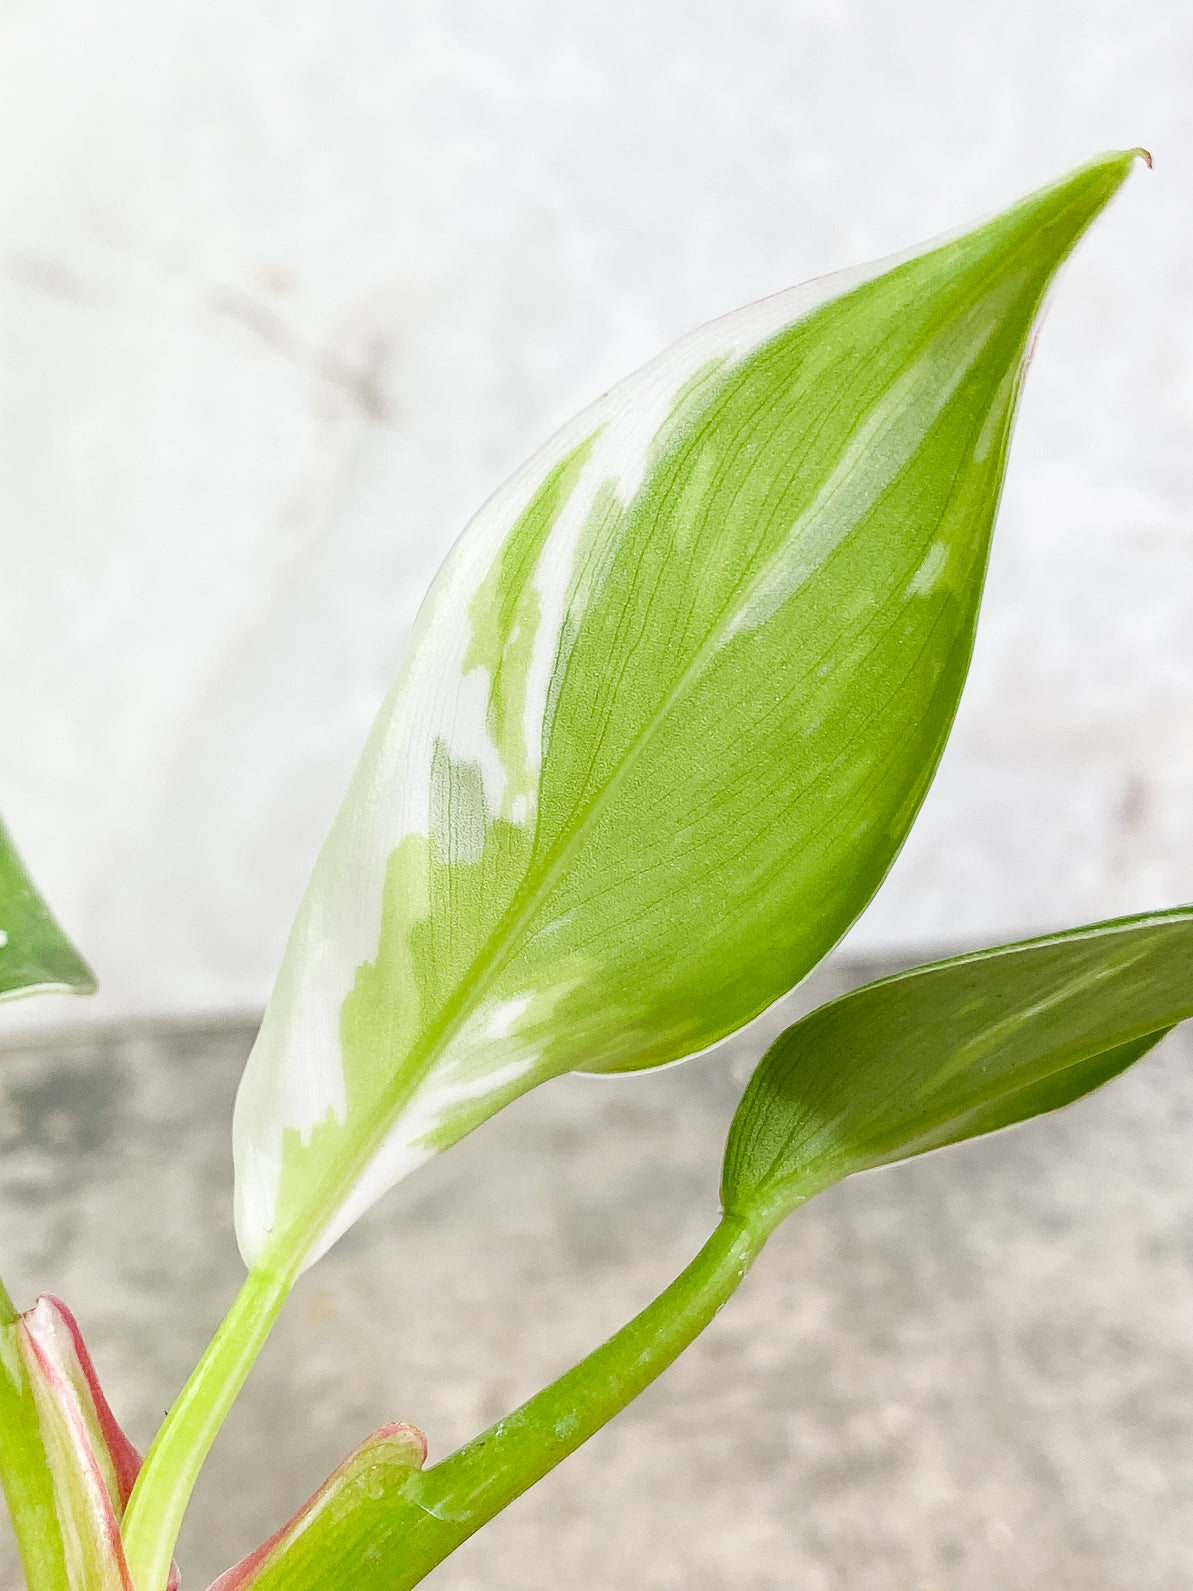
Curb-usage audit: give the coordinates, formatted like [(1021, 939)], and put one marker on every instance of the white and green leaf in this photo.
[(35, 955), (667, 714), (947, 1052)]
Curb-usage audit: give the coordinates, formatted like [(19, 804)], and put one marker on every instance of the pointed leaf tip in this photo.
[(667, 715), (950, 1051), (35, 955)]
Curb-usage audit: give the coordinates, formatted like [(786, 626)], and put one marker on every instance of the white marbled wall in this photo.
[(289, 288)]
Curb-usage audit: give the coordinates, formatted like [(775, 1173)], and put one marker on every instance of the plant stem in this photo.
[(386, 1534), (489, 1472), (163, 1489)]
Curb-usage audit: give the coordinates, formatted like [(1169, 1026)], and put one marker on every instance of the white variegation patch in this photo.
[(486, 1057), (927, 577), (410, 1143), (875, 456)]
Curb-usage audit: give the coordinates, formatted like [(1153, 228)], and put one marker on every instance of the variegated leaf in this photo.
[(666, 717)]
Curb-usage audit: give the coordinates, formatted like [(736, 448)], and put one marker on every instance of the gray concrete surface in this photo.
[(971, 1373)]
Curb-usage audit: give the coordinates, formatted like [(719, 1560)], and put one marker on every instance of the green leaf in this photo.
[(35, 955), (947, 1052), (71, 1537), (668, 713)]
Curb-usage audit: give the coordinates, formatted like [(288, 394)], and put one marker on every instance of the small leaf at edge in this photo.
[(953, 1050), (35, 955)]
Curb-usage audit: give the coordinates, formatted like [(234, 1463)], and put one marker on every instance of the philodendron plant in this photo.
[(667, 715)]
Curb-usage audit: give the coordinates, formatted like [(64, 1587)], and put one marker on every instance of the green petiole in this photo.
[(385, 1533), (155, 1509)]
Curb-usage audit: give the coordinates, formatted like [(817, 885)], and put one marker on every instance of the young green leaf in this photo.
[(92, 1464), (35, 954), (667, 715), (947, 1052)]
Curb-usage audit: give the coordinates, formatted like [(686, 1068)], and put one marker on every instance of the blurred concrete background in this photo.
[(966, 1373), (288, 289)]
